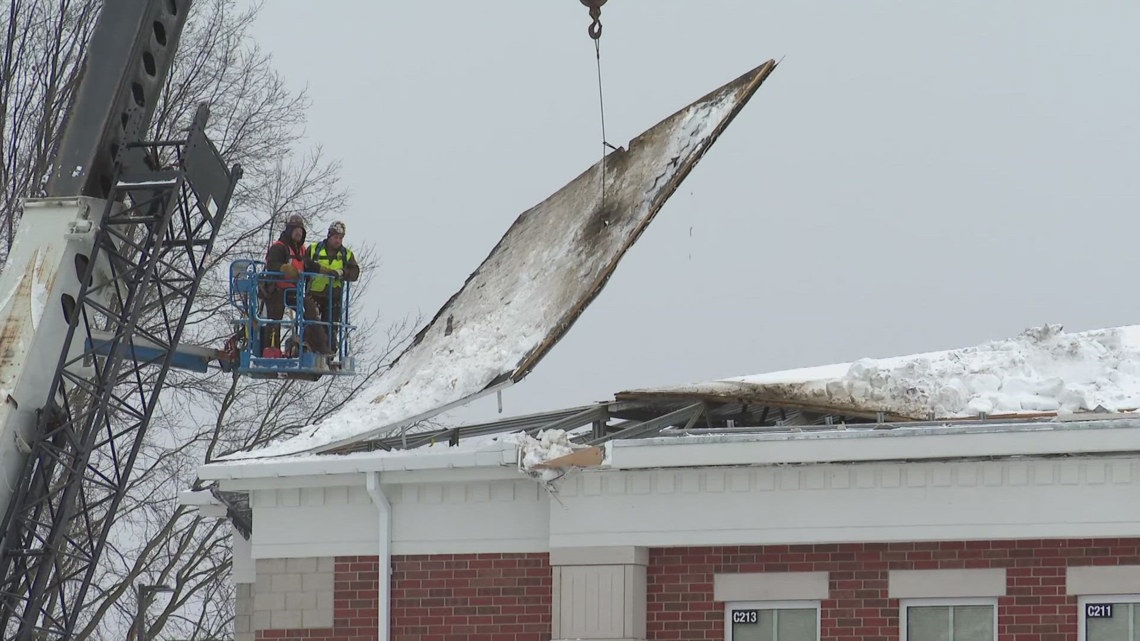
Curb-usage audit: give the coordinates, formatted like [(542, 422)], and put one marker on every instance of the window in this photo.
[(772, 621), (1109, 618), (948, 619)]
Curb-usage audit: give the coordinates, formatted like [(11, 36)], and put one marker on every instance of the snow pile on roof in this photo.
[(549, 445), (1043, 370), (545, 270)]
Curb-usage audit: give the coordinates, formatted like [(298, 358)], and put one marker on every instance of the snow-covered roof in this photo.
[(1048, 390), (551, 263), (1042, 370), (1042, 384), (515, 454)]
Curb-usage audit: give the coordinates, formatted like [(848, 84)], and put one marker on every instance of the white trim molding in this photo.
[(1102, 579), (770, 586), (850, 502), (1118, 434), (608, 555), (926, 442), (940, 584)]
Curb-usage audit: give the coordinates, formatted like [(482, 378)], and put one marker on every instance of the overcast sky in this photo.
[(914, 176)]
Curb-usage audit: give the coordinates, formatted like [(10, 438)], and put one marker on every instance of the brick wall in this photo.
[(463, 597), (471, 597), (1036, 608)]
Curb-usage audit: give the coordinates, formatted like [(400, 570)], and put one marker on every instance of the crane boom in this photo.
[(94, 298), (128, 59), (114, 254)]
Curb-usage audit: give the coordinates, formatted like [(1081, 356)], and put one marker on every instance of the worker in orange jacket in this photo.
[(289, 256)]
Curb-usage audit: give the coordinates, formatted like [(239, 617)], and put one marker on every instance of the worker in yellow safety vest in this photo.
[(331, 254)]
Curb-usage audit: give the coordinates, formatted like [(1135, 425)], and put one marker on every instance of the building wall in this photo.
[(476, 549), (305, 594), (294, 521), (480, 597), (457, 597), (1077, 497), (1035, 607), (869, 502), (471, 597), (496, 516)]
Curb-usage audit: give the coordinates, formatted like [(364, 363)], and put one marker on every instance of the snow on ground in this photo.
[(1043, 369), (550, 264)]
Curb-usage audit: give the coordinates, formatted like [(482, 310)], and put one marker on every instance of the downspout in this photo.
[(384, 552)]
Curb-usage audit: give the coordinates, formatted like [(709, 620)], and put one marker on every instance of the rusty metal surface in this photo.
[(767, 396), (39, 270), (17, 308), (24, 296), (803, 397)]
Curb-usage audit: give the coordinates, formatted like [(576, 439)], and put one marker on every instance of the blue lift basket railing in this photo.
[(292, 357)]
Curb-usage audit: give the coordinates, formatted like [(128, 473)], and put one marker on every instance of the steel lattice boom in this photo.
[(138, 287)]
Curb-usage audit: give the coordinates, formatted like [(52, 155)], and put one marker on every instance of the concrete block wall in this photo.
[(243, 612), (347, 585), (290, 594)]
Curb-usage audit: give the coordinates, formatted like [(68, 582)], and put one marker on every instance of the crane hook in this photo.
[(595, 7)]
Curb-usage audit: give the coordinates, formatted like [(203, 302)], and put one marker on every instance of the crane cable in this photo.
[(602, 112), (595, 32)]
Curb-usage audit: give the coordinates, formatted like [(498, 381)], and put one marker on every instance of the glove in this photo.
[(340, 273)]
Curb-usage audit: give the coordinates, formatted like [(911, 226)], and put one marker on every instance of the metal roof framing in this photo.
[(627, 419)]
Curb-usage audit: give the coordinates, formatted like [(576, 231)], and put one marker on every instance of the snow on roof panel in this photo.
[(1042, 370), (549, 266)]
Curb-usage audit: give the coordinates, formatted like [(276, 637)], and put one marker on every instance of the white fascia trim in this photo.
[(204, 501), (858, 445), (197, 497), (323, 464)]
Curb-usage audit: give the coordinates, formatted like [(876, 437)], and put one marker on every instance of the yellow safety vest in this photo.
[(319, 253)]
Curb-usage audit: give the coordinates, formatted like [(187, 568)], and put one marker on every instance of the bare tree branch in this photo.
[(257, 121)]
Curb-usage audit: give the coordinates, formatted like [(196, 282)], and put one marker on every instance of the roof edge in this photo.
[(325, 464), (882, 443), (1099, 436)]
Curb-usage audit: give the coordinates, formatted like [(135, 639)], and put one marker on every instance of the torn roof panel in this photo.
[(536, 282), (1042, 370)]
